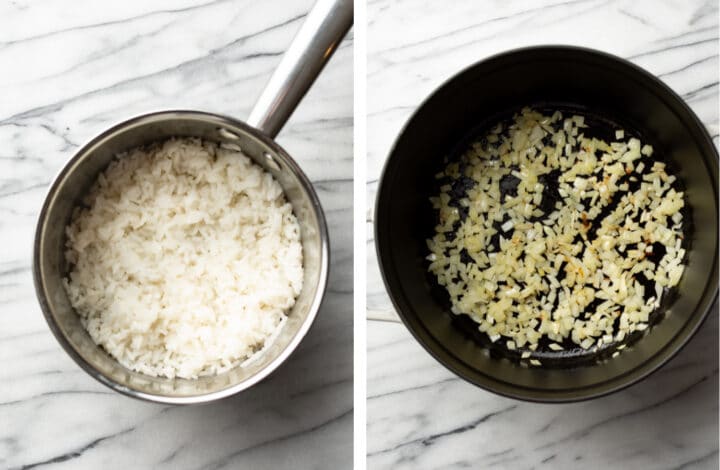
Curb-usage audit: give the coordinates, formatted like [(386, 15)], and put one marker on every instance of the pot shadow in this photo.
[(670, 418), (306, 403), (308, 399)]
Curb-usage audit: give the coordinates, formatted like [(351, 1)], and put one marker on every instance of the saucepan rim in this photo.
[(443, 355), (221, 121)]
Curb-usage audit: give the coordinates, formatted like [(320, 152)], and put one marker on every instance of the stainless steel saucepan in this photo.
[(318, 38)]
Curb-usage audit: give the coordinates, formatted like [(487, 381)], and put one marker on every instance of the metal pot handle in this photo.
[(319, 36)]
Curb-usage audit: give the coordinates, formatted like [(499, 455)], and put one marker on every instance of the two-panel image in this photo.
[(334, 234)]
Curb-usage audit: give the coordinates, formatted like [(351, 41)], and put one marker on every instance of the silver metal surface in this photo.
[(319, 36), (68, 188), (49, 266)]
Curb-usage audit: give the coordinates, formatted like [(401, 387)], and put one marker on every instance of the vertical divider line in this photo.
[(359, 232)]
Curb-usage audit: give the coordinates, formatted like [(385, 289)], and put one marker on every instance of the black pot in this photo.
[(607, 89)]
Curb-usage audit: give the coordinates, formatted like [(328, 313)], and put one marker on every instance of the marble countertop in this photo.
[(71, 69), (419, 414)]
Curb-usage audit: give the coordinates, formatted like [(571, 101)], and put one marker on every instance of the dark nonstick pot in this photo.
[(614, 94)]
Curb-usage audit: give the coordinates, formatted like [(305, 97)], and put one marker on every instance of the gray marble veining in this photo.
[(421, 415), (69, 71)]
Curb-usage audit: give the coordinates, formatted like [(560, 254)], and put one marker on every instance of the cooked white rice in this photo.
[(185, 260), (525, 270)]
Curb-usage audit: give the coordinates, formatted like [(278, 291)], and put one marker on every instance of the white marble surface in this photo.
[(422, 416), (70, 69)]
